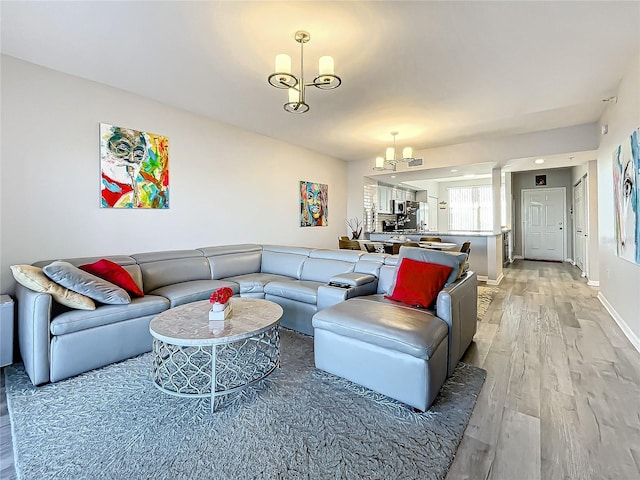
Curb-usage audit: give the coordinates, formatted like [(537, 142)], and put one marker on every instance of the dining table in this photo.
[(438, 245)]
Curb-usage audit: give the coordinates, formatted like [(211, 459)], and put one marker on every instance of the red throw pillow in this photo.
[(418, 283), (114, 273)]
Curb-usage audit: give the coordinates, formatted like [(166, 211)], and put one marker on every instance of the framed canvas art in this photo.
[(134, 168), (541, 180), (314, 201), (626, 174)]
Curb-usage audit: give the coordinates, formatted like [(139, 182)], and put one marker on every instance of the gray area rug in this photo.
[(300, 423), (485, 295)]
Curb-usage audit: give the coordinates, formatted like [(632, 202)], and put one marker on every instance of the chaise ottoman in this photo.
[(396, 350)]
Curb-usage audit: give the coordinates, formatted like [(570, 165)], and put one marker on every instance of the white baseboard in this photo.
[(633, 338), (518, 257), (484, 278), (593, 283)]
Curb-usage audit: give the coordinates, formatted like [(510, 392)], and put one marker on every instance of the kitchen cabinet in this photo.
[(385, 195)]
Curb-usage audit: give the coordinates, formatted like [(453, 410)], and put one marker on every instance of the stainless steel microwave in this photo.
[(398, 206)]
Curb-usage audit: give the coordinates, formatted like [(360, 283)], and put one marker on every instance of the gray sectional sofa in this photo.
[(57, 342)]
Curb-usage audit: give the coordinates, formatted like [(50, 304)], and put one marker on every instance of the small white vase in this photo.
[(218, 307)]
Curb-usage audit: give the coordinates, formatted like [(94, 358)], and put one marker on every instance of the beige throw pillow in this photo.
[(35, 279)]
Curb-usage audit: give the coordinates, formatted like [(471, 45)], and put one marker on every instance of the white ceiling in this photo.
[(440, 73)]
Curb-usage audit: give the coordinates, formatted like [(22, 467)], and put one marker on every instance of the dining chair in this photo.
[(349, 244), (396, 246), (370, 247), (430, 239), (466, 247)]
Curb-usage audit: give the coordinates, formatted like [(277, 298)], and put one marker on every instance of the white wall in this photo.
[(227, 185), (619, 279)]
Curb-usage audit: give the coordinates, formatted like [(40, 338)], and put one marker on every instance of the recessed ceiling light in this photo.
[(453, 170), (539, 161), (393, 176), (469, 175)]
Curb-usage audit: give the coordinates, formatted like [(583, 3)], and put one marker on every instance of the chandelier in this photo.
[(391, 158), (283, 78)]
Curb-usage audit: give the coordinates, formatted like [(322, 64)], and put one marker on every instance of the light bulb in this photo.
[(407, 152), (294, 96), (379, 162), (390, 154), (325, 67), (283, 63)]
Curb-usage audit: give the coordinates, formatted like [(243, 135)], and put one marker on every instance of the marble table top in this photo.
[(189, 324)]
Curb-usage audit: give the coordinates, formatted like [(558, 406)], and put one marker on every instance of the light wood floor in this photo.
[(562, 395)]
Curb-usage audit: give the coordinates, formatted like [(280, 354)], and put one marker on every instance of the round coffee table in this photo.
[(191, 353)]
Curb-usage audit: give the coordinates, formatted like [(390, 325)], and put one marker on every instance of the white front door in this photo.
[(580, 227), (543, 214)]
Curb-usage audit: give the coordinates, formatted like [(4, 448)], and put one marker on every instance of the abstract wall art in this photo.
[(314, 202), (626, 175), (134, 168)]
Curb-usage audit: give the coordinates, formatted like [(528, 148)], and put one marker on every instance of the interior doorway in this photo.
[(543, 223), (580, 224)]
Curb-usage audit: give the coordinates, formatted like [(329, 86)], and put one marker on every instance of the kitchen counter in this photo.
[(414, 234), (486, 257)]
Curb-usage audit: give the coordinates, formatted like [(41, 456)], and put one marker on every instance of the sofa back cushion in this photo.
[(385, 278), (323, 264), (168, 267), (282, 260), (321, 270), (232, 260), (370, 263), (454, 260)]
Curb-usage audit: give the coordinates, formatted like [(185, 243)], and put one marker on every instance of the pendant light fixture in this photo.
[(391, 157), (283, 78)]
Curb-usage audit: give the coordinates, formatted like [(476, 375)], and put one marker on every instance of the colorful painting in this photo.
[(626, 175), (134, 168), (314, 201)]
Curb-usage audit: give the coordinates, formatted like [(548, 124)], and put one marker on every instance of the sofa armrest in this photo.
[(457, 305), (34, 316), (329, 295), (351, 279)]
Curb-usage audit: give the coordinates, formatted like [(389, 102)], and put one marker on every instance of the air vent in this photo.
[(416, 162)]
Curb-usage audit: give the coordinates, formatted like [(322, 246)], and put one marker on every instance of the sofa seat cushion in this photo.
[(76, 320), (305, 291), (255, 282), (406, 330), (193, 291)]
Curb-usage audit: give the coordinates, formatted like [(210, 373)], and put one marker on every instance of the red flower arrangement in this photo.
[(221, 295)]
